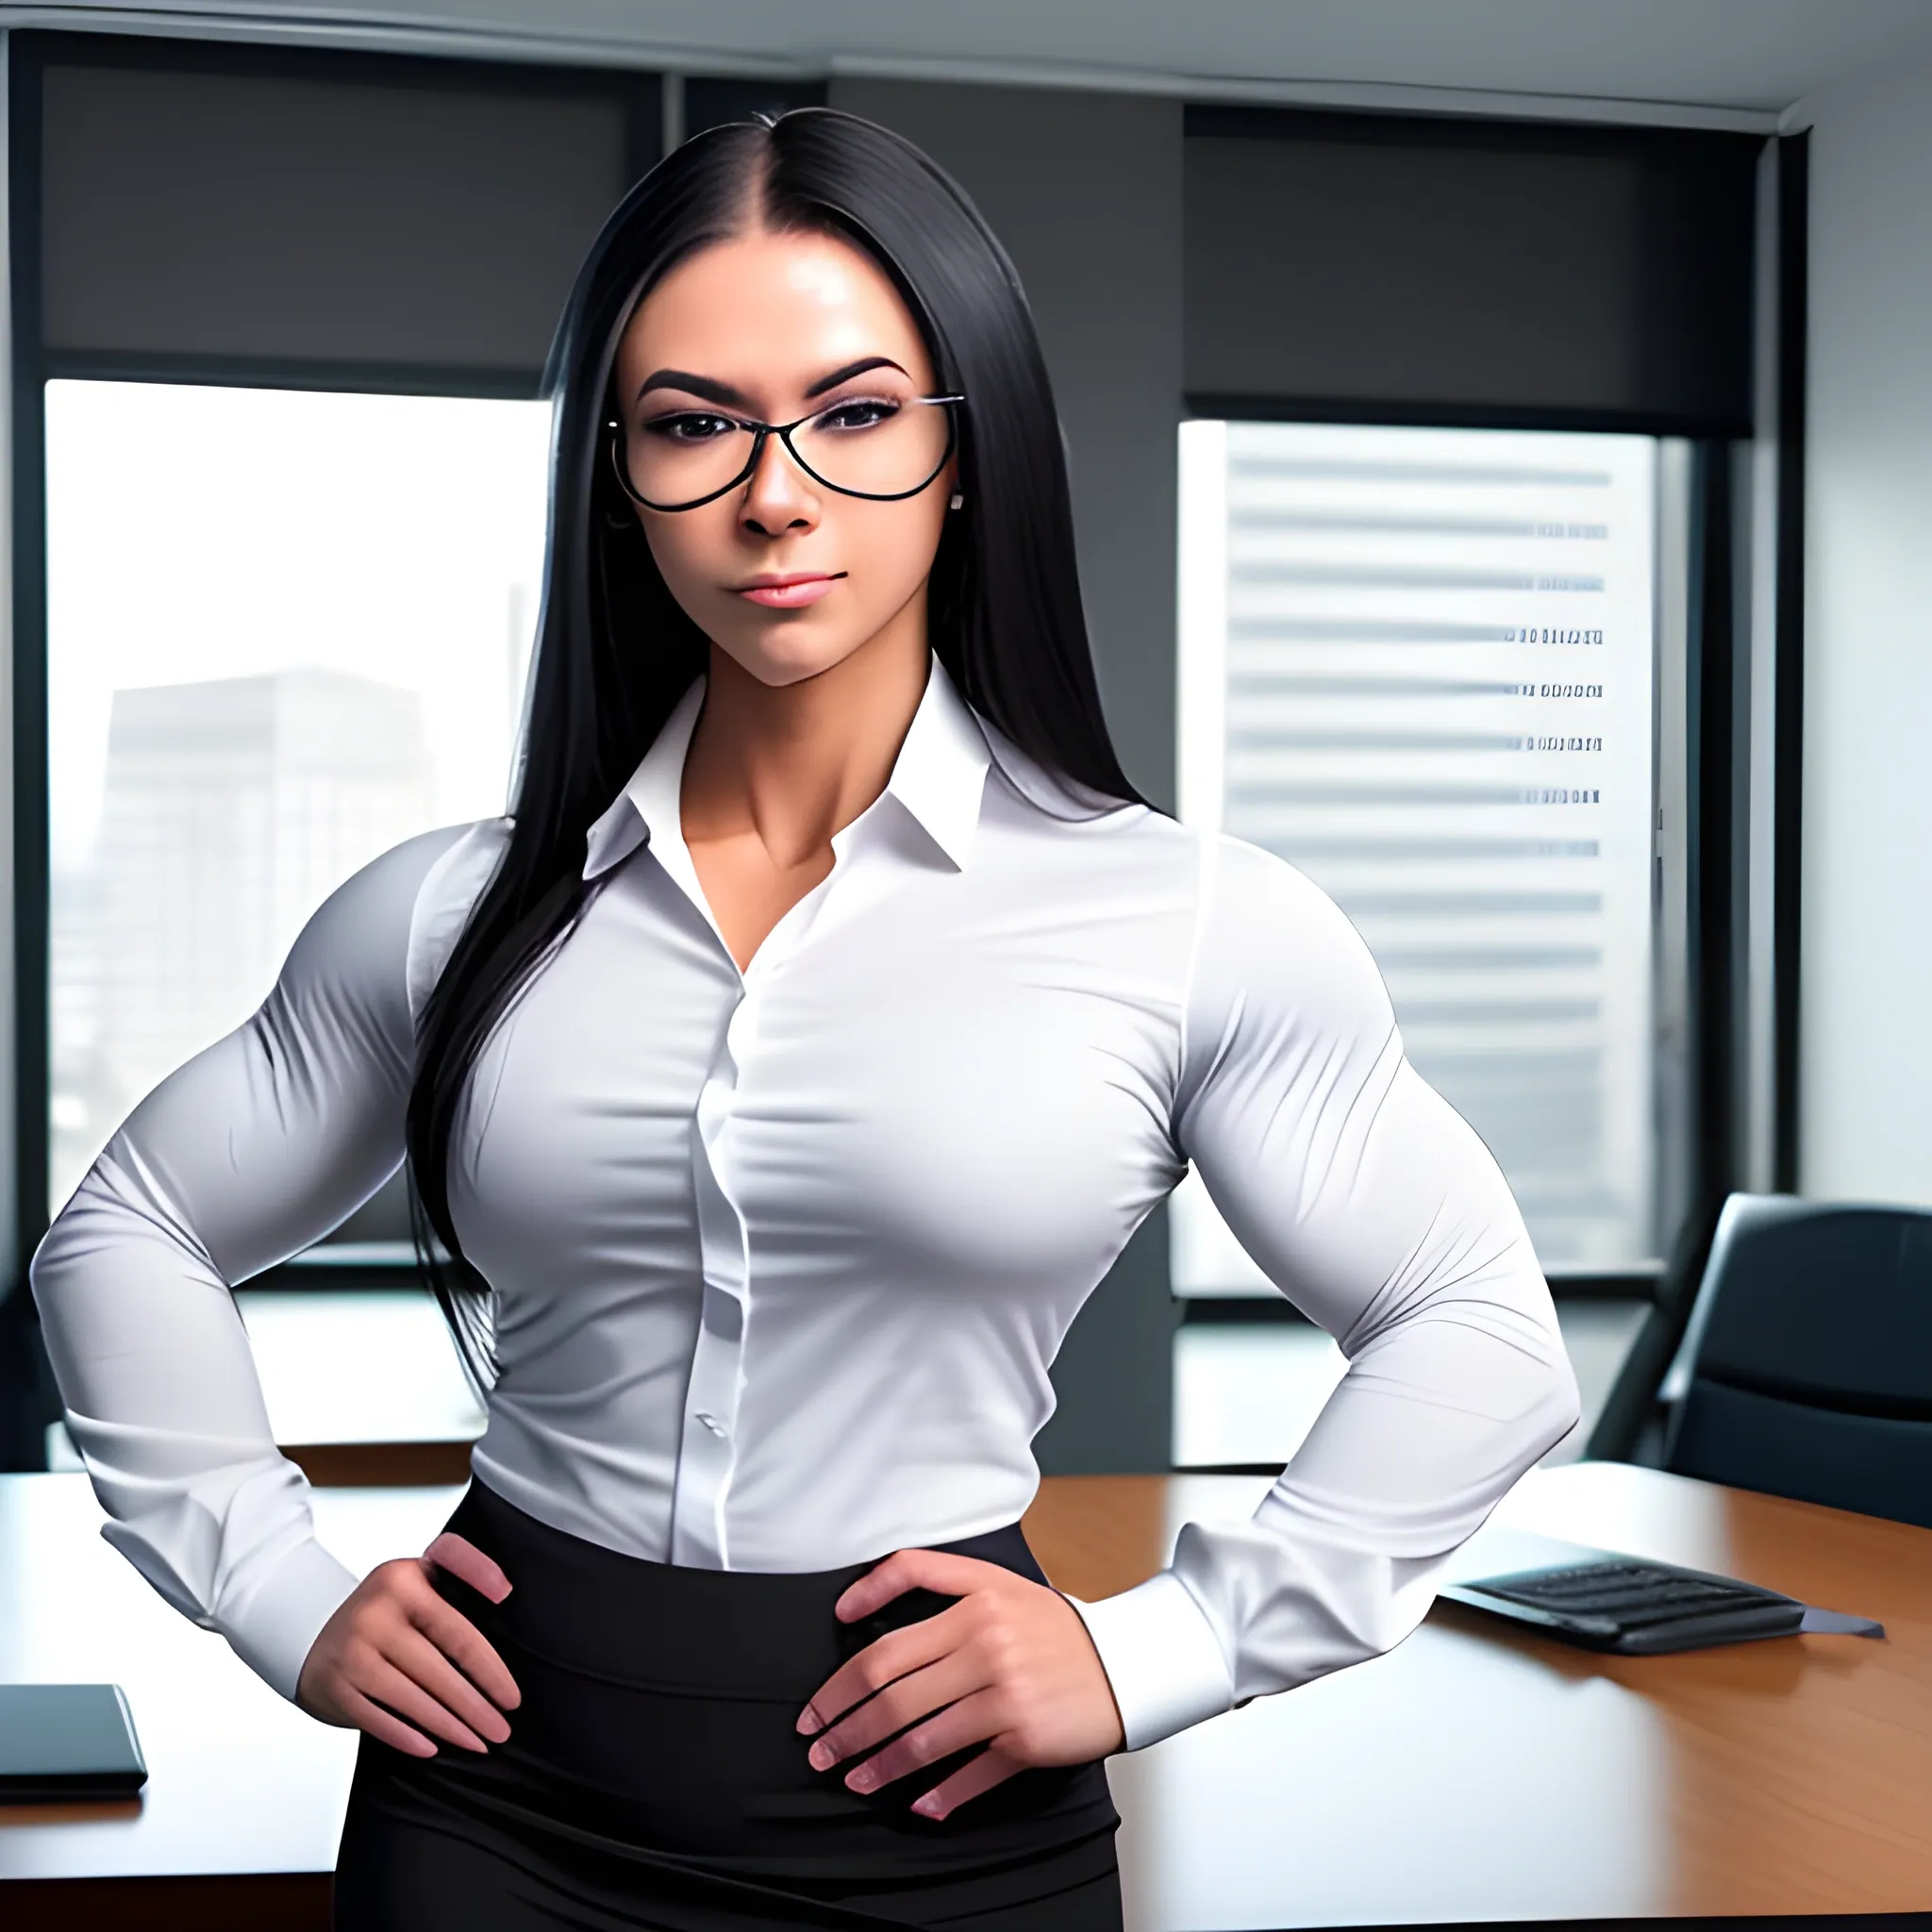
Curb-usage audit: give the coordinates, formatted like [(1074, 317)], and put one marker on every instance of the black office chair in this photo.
[(1806, 1367)]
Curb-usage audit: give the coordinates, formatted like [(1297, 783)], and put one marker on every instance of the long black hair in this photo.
[(614, 650)]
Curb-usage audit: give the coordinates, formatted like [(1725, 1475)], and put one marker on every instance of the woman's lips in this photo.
[(789, 596)]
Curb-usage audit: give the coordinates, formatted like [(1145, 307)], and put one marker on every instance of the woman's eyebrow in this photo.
[(694, 385), (724, 394), (847, 374)]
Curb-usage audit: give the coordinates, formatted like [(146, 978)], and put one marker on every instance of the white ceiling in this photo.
[(1752, 54)]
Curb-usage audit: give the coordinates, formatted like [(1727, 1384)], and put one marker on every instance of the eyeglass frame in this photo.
[(763, 432)]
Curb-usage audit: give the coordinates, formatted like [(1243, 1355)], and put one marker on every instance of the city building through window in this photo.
[(286, 631)]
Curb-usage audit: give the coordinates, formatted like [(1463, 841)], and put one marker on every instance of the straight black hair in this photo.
[(614, 650)]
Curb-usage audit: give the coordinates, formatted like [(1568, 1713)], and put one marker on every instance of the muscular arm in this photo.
[(254, 1149), (1378, 1211)]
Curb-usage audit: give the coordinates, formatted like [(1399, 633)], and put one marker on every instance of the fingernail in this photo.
[(821, 1756), (863, 1779), (929, 1806), (808, 1722)]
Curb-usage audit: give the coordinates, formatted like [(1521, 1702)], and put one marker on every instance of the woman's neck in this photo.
[(789, 765)]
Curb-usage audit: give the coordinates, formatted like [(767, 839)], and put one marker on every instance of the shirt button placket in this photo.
[(708, 1446)]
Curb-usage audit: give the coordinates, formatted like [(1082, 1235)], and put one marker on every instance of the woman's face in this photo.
[(785, 574)]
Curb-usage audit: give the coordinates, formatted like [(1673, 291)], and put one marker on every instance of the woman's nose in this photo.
[(779, 495)]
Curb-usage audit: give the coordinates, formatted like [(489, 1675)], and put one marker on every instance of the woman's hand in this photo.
[(394, 1649), (1010, 1665)]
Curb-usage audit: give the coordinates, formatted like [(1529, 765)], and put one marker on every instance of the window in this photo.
[(1419, 664), (286, 630)]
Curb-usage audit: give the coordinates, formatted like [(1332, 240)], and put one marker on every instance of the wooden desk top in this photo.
[(1475, 1775)]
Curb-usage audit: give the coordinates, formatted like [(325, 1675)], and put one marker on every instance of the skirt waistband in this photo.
[(653, 1774), (736, 1633)]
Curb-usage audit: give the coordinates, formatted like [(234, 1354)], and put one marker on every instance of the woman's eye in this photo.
[(689, 426), (862, 412)]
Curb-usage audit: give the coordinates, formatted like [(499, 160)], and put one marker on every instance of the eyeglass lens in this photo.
[(872, 446)]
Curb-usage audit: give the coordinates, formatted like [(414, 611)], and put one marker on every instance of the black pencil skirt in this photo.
[(653, 1777)]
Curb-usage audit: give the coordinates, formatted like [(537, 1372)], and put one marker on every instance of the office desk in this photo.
[(1475, 1775)]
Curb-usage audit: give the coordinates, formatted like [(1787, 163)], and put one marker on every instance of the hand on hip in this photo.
[(1010, 1665), (398, 1661)]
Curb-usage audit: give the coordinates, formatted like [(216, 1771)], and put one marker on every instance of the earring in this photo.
[(956, 501)]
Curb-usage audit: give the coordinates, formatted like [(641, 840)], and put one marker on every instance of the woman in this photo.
[(776, 1083)]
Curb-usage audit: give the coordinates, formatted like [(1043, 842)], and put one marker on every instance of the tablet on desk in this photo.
[(67, 1741)]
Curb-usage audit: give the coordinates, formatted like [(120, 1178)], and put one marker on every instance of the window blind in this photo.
[(225, 210), (1427, 269)]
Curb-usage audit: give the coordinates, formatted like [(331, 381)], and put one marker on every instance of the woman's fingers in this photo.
[(417, 1657), (1010, 1665), (881, 1662), (991, 1767), (474, 1653), (396, 1655), (464, 1560), (385, 1683), (972, 1721), (912, 1697), (935, 1570), (383, 1726)]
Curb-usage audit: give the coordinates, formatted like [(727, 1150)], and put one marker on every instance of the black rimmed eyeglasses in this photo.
[(882, 448)]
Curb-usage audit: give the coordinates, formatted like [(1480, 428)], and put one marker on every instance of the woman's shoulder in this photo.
[(374, 911), (1268, 936), (463, 864), (361, 950)]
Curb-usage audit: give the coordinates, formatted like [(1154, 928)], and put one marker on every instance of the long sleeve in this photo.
[(254, 1149), (1378, 1211)]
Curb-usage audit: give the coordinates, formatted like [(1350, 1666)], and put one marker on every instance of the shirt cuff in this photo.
[(283, 1615), (1161, 1658)]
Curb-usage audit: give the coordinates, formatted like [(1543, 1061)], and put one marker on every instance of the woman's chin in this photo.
[(789, 657)]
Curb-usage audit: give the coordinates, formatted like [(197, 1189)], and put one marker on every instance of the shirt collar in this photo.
[(940, 774), (938, 778), (651, 796)]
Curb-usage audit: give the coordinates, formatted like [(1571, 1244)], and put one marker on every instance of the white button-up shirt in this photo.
[(780, 1258)]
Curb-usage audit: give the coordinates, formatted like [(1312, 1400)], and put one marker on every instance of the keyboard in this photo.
[(1633, 1607)]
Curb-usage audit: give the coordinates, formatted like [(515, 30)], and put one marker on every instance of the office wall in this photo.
[(1085, 191), (1865, 1076)]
